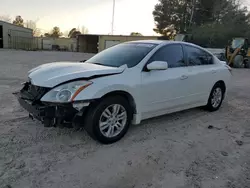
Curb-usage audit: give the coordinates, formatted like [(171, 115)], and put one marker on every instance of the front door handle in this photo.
[(184, 77)]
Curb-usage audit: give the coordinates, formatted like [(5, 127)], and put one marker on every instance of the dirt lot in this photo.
[(173, 151)]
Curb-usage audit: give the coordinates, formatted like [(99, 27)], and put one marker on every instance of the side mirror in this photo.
[(157, 65)]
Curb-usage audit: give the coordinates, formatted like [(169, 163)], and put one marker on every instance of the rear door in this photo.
[(202, 72)]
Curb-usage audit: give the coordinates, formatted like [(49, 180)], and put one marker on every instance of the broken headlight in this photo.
[(66, 92)]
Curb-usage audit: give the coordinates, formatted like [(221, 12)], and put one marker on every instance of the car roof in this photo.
[(160, 42), (147, 41)]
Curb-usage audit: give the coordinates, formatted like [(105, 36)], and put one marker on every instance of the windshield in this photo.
[(127, 53), (237, 43)]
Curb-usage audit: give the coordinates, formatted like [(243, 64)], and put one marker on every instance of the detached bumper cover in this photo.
[(36, 111), (50, 114), (47, 113)]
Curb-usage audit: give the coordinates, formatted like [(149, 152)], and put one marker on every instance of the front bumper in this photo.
[(52, 114)]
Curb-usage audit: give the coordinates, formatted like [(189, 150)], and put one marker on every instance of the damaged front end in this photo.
[(50, 114)]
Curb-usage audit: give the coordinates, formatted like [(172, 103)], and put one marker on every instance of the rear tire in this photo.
[(216, 97), (108, 121)]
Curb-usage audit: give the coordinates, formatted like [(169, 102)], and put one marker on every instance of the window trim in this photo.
[(186, 55), (144, 69)]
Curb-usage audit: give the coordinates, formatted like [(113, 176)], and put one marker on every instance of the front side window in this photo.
[(172, 54), (127, 53), (197, 57)]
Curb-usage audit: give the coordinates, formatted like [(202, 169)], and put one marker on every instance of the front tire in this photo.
[(108, 121), (238, 61), (216, 97)]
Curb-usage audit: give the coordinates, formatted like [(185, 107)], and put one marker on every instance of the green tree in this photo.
[(211, 23), (229, 20), (47, 34), (73, 33), (18, 21), (135, 34), (169, 14), (56, 33)]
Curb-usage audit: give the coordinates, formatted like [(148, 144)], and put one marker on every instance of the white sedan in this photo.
[(125, 84)]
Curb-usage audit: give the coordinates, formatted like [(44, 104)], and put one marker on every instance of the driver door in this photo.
[(165, 90)]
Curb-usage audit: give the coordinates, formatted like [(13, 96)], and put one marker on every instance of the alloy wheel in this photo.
[(216, 97), (113, 120)]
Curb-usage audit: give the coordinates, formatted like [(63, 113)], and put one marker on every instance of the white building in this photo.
[(15, 37), (49, 43)]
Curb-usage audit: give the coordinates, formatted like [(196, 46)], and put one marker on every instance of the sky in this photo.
[(96, 15)]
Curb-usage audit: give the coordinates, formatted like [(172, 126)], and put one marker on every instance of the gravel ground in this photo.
[(173, 151)]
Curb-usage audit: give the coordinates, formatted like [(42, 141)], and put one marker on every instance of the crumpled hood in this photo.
[(52, 74)]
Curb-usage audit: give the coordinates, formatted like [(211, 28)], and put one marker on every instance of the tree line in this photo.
[(55, 31), (209, 23)]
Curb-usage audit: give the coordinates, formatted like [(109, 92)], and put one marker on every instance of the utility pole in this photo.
[(192, 13), (113, 18)]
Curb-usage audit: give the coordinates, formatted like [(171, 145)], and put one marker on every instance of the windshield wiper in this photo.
[(99, 64), (102, 64), (92, 63)]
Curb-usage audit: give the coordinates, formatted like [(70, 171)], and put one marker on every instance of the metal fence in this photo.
[(21, 40), (23, 43)]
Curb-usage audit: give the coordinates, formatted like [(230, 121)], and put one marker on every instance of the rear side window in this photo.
[(197, 57), (172, 54)]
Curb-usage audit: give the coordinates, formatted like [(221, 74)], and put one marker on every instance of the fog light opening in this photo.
[(79, 105)]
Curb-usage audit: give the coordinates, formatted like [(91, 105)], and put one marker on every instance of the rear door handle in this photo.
[(214, 71), (184, 77)]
